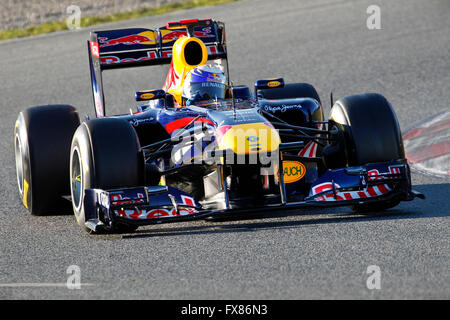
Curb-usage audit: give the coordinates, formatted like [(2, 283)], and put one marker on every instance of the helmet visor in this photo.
[(206, 90)]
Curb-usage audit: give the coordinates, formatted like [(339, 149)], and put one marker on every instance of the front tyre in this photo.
[(370, 129), (369, 132), (105, 154), (42, 137)]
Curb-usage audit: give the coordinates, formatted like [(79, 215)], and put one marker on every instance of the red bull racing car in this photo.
[(201, 147)]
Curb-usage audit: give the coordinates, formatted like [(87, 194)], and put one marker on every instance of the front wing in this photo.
[(146, 205)]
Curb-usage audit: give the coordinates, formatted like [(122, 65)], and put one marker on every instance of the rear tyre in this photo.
[(105, 154), (369, 132), (42, 137)]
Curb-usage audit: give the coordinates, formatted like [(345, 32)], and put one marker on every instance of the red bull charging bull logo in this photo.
[(172, 35), (145, 38), (149, 37)]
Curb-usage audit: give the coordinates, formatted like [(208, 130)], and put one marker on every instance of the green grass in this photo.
[(89, 21)]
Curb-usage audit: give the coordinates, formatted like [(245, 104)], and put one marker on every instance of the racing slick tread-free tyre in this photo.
[(42, 137), (105, 154), (371, 133), (370, 126)]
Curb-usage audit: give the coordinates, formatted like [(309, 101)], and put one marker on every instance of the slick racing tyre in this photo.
[(371, 129), (105, 154), (369, 132), (42, 137), (290, 91)]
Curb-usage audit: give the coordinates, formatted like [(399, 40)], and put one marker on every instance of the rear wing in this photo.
[(136, 47)]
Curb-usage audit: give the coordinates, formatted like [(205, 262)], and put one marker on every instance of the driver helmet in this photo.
[(205, 82)]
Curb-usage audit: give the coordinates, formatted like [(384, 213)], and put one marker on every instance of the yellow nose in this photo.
[(250, 138)]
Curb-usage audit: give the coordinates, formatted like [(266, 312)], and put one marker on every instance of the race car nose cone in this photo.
[(248, 138)]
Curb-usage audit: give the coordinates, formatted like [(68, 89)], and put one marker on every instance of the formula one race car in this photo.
[(201, 148)]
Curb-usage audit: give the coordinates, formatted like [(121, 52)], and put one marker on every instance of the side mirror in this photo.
[(149, 95), (269, 83)]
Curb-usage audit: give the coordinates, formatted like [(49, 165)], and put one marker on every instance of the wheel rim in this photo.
[(19, 162), (76, 179)]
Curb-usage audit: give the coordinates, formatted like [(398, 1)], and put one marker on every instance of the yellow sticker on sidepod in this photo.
[(293, 171)]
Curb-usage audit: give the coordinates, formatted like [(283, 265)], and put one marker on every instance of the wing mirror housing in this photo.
[(268, 84), (147, 95)]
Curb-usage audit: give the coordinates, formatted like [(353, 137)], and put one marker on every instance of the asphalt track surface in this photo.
[(310, 254)]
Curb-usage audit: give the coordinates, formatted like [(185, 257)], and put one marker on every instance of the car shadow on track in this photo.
[(435, 205)]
